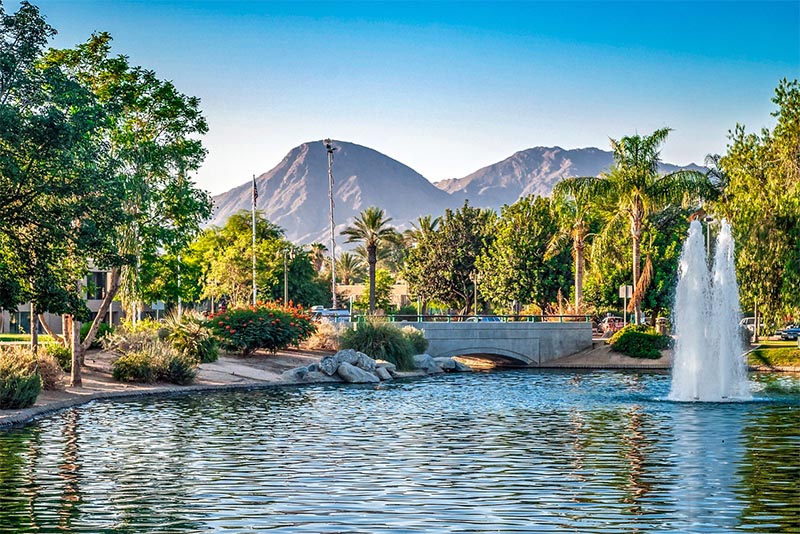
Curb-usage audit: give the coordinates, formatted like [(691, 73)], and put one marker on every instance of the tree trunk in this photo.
[(372, 259), (637, 235), (113, 288), (61, 339), (34, 330), (77, 352), (579, 268)]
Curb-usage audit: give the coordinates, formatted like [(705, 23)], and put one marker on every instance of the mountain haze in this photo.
[(294, 195)]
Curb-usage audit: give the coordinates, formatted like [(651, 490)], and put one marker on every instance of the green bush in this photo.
[(62, 354), (191, 335), (134, 366), (102, 330), (639, 341), (155, 362), (268, 326), (417, 339), (49, 370), (381, 341), (20, 382)]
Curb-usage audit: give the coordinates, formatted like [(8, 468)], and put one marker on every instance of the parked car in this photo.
[(790, 332), (483, 319), (611, 323), (750, 324)]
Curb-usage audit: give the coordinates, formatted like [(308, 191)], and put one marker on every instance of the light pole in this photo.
[(475, 277), (708, 220), (330, 149), (287, 253)]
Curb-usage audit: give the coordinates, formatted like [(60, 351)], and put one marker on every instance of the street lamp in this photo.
[(330, 149), (708, 220), (475, 277), (287, 253)]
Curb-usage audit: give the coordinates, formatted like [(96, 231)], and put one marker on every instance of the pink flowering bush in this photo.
[(268, 326)]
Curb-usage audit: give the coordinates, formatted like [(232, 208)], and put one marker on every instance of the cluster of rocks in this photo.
[(358, 368)]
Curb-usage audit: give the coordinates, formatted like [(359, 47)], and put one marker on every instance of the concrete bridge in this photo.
[(515, 343)]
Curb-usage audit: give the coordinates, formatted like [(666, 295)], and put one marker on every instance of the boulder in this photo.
[(426, 363), (328, 365), (449, 365), (389, 366), (354, 375), (305, 375), (348, 355), (383, 373)]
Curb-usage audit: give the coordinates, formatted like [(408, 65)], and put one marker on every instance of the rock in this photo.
[(425, 362), (348, 355), (365, 362), (328, 365), (354, 375), (389, 366), (306, 375), (449, 365), (383, 373)]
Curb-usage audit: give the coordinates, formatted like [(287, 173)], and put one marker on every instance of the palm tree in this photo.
[(573, 205), (371, 229), (636, 189), (317, 252), (424, 226), (349, 268)]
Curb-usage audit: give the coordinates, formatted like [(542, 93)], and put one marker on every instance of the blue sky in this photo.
[(449, 87)]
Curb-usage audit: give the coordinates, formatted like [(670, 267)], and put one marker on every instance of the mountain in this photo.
[(294, 195), (531, 172)]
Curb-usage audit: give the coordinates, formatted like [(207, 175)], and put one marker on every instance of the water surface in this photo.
[(517, 451)]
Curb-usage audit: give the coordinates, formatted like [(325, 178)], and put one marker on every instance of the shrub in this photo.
[(326, 337), (266, 326), (49, 369), (20, 382), (136, 366), (155, 362), (62, 355), (191, 335), (103, 330), (417, 339), (123, 341), (639, 341), (382, 341)]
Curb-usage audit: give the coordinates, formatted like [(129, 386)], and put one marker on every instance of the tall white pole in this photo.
[(330, 148), (255, 197)]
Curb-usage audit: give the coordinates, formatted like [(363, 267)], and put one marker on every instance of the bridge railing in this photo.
[(519, 318)]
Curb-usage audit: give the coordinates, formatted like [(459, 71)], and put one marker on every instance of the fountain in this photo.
[(708, 365)]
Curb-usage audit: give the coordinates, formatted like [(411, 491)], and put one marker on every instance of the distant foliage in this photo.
[(639, 341), (268, 326), (20, 382), (381, 341)]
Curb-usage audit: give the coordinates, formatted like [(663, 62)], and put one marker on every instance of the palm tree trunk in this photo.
[(372, 259), (579, 268), (637, 309)]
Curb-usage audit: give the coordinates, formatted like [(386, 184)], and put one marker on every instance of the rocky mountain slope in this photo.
[(294, 195)]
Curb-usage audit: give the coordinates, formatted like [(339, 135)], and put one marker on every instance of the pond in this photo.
[(514, 451)]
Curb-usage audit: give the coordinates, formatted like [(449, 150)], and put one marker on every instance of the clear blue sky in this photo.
[(449, 87)]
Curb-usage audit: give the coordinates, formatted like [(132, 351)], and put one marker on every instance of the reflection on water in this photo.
[(516, 451)]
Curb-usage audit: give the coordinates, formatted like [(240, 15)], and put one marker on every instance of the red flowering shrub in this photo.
[(268, 326)]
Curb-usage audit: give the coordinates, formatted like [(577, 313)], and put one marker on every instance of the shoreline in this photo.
[(263, 371)]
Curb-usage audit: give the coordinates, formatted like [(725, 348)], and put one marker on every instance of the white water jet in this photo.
[(708, 364)]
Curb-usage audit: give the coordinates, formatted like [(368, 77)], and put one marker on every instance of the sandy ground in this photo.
[(260, 370)]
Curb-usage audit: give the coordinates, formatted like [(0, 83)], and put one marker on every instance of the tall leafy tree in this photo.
[(154, 136), (443, 265), (371, 228), (349, 268), (763, 201), (60, 195), (515, 267), (634, 188)]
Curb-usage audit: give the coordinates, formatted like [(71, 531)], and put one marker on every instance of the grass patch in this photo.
[(16, 338), (775, 354)]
